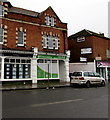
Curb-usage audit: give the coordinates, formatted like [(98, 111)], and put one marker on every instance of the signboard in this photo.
[(51, 57), (103, 64), (82, 59), (86, 51)]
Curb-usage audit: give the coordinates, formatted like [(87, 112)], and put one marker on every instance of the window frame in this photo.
[(2, 11), (44, 37), (19, 44), (56, 43), (50, 41), (81, 39), (2, 35)]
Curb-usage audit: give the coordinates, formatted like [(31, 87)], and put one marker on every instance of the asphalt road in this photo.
[(65, 102)]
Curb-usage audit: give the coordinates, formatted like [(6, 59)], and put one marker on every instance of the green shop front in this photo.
[(52, 67)]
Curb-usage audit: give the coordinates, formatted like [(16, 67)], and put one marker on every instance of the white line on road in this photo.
[(52, 103)]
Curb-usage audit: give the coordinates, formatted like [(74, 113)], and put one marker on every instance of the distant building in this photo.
[(87, 46), (30, 41), (109, 19)]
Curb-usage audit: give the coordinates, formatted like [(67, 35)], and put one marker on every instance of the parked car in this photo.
[(86, 78)]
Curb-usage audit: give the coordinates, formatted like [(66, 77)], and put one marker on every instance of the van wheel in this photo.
[(103, 83), (88, 84)]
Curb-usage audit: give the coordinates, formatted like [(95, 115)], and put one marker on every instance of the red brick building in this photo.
[(30, 41), (87, 46)]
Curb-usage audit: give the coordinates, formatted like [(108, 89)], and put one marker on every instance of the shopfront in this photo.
[(53, 67), (15, 67), (103, 68)]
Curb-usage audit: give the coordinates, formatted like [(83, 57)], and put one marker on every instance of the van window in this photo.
[(86, 74), (77, 74), (91, 74)]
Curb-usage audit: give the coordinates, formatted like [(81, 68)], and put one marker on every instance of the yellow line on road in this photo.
[(53, 103)]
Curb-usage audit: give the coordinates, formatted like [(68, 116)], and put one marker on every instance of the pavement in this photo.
[(34, 86)]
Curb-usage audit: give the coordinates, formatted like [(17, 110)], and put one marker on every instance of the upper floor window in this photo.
[(56, 43), (20, 38), (80, 39), (50, 21), (50, 42), (1, 35), (44, 41), (1, 10)]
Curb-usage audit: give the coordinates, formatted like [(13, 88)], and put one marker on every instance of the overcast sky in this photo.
[(79, 14)]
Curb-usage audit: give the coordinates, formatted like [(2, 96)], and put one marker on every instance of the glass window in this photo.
[(17, 60), (20, 38), (81, 39), (56, 43), (40, 61), (52, 21), (91, 74), (12, 60), (44, 41), (6, 60), (77, 74), (47, 20), (1, 35), (50, 42), (1, 10), (86, 74)]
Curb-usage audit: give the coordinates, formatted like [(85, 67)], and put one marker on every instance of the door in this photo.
[(108, 73)]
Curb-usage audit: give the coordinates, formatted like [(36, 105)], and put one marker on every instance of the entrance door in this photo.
[(108, 73)]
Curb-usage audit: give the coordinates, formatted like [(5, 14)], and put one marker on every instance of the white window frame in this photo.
[(44, 37), (56, 43), (108, 53), (52, 21), (81, 39), (2, 35), (47, 20), (50, 39), (1, 10), (19, 44)]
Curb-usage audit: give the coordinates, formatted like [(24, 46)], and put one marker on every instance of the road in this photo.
[(65, 102)]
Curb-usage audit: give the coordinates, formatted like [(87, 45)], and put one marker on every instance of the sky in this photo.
[(78, 14)]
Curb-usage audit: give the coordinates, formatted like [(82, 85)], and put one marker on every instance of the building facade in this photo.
[(87, 46), (34, 46)]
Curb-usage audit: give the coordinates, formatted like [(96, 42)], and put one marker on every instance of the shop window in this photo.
[(20, 38), (17, 60), (12, 60), (17, 71), (1, 10), (1, 35)]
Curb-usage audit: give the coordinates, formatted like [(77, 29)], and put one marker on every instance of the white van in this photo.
[(86, 78)]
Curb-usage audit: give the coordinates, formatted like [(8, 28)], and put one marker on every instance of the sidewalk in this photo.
[(34, 86)]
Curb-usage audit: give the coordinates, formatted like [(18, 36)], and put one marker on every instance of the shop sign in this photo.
[(82, 59), (51, 57), (103, 64), (86, 51)]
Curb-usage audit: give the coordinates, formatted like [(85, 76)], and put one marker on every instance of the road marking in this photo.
[(53, 103)]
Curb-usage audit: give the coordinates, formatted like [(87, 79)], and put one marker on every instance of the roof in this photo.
[(4, 1), (23, 11), (86, 32)]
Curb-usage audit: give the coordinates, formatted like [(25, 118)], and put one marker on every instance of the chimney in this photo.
[(102, 34)]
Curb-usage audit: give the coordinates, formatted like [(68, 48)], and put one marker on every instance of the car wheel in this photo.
[(88, 84), (103, 83)]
